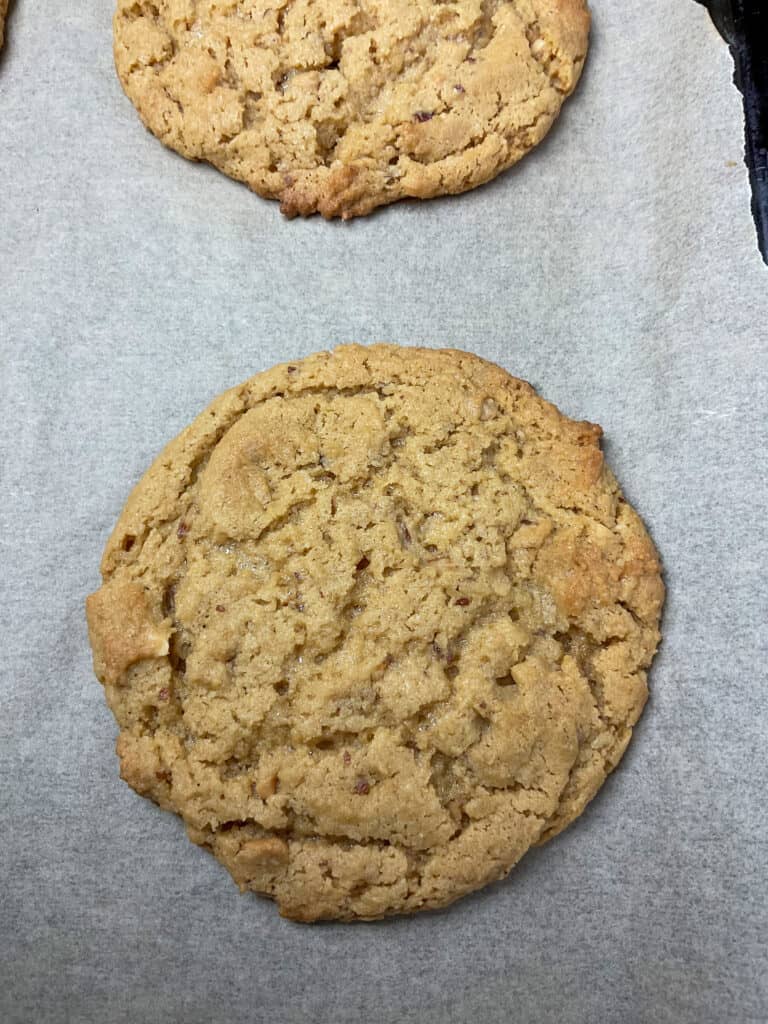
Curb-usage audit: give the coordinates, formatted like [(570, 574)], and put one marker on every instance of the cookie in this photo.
[(374, 625), (340, 106), (3, 13)]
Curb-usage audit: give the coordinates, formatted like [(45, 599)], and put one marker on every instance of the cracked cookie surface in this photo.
[(376, 623), (340, 106)]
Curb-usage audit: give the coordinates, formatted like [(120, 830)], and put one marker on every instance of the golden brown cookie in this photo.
[(3, 13), (339, 106), (376, 623)]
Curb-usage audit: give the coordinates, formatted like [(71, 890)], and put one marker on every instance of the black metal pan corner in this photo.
[(744, 25)]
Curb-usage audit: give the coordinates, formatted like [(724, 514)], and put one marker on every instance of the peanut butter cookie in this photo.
[(375, 624), (340, 106)]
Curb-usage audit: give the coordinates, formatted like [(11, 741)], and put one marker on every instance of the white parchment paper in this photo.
[(616, 269)]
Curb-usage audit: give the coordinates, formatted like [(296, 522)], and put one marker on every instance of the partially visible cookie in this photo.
[(3, 12), (340, 106), (376, 623)]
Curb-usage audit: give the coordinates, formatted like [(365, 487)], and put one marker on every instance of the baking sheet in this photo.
[(616, 269), (744, 24)]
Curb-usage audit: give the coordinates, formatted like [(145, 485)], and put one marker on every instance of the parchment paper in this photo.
[(617, 270)]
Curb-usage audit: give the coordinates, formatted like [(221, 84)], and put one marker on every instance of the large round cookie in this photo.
[(339, 106), (374, 624)]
